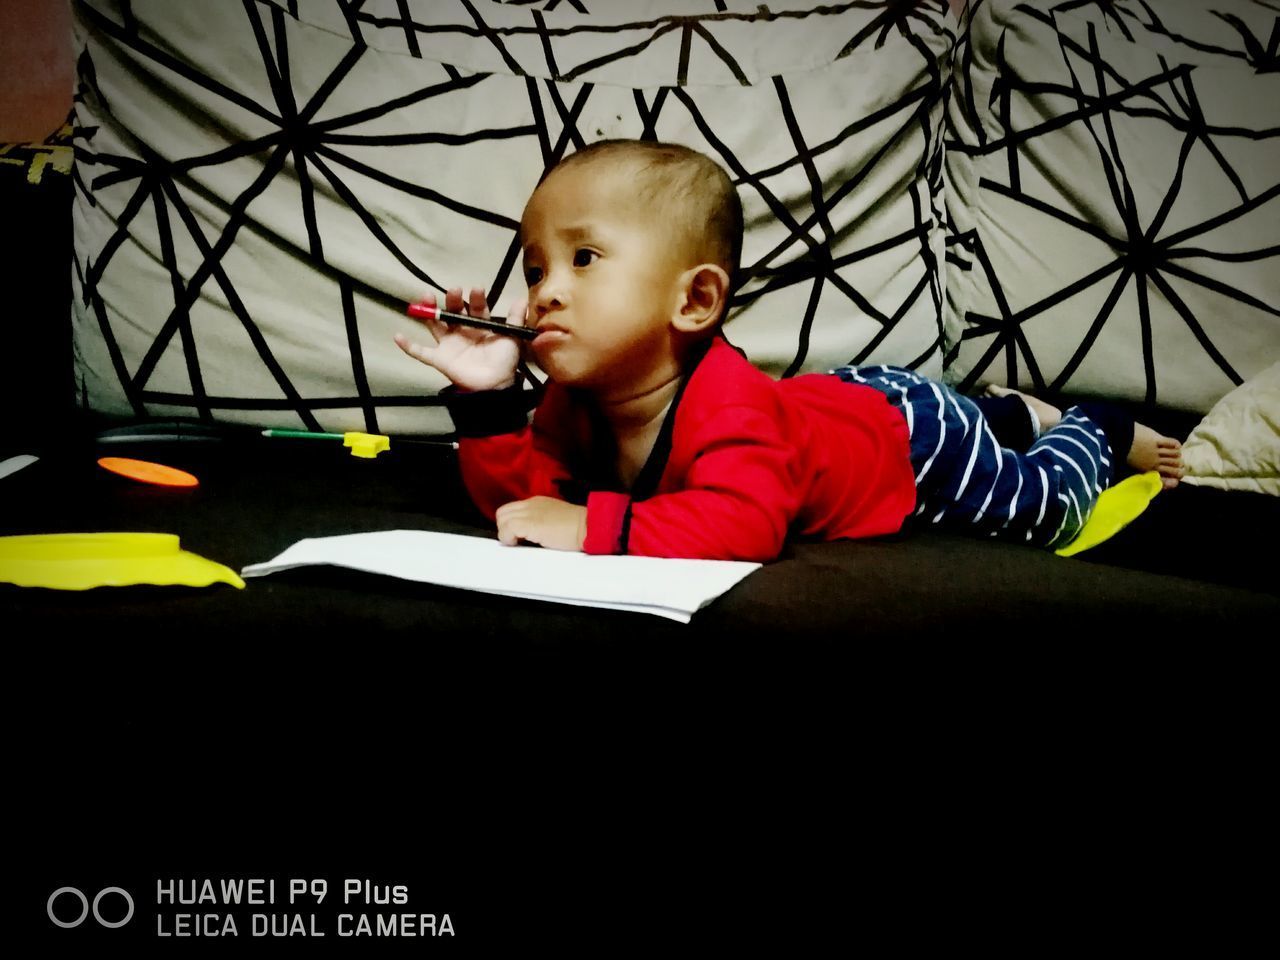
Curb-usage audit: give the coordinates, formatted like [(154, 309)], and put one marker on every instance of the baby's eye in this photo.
[(532, 275), (583, 257)]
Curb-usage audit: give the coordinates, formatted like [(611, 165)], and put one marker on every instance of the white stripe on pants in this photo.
[(966, 480)]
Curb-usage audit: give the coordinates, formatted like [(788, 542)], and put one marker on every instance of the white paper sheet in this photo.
[(14, 464), (676, 589)]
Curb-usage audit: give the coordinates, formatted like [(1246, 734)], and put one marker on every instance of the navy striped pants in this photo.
[(965, 479)]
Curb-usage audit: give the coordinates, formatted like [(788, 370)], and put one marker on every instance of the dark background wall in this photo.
[(36, 71), (36, 81)]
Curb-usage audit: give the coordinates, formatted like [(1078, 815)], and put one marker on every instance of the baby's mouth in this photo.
[(550, 333)]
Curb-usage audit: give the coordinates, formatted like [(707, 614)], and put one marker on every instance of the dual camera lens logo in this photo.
[(84, 907)]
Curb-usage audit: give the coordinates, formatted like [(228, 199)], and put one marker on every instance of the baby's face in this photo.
[(603, 281)]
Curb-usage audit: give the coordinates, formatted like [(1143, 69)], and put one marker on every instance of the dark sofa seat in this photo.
[(1187, 560), (505, 753), (1181, 578)]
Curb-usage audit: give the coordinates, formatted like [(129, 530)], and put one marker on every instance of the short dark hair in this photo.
[(688, 186)]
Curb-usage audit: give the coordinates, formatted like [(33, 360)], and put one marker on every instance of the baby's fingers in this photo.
[(418, 351), (512, 521), (479, 304), (436, 327), (516, 316), (453, 299), (473, 304)]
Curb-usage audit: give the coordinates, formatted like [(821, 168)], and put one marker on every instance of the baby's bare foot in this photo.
[(1046, 413), (1154, 451)]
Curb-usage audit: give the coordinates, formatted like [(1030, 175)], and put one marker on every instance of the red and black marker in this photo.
[(425, 311)]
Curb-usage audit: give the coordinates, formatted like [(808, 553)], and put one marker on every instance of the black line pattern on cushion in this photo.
[(1102, 97), (323, 158), (905, 17), (1263, 56)]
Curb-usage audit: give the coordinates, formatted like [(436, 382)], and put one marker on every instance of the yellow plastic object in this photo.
[(1116, 507), (366, 445), (80, 561)]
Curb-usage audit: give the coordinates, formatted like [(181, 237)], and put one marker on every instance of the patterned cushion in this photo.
[(262, 186), (1113, 182)]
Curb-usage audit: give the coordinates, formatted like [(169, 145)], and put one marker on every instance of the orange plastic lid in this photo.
[(148, 472)]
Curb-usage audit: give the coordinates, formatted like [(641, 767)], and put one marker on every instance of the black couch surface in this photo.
[(1188, 560), (583, 778)]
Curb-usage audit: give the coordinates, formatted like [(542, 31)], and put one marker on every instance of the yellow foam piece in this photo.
[(367, 445), (81, 561), (1116, 508)]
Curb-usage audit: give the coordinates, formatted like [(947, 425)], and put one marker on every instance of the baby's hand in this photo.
[(473, 359), (543, 520)]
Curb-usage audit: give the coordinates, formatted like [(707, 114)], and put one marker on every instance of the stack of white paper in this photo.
[(669, 588)]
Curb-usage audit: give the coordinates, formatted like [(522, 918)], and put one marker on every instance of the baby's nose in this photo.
[(550, 297)]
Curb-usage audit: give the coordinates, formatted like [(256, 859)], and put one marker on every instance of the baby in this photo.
[(655, 436)]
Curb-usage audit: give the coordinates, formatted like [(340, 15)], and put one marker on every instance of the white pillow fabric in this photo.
[(1237, 445), (263, 186), (1113, 182)]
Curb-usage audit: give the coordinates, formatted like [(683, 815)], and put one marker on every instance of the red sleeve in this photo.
[(527, 462), (607, 517), (737, 502)]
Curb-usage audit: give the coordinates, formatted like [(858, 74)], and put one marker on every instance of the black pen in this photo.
[(424, 311)]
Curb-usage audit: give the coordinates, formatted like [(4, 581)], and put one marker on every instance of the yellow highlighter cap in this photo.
[(1116, 507), (366, 445), (80, 561)]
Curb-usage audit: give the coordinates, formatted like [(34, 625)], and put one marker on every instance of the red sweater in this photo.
[(743, 461)]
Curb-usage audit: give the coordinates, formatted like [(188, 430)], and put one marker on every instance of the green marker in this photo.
[(302, 434)]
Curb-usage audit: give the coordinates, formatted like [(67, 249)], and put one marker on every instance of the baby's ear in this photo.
[(704, 291)]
